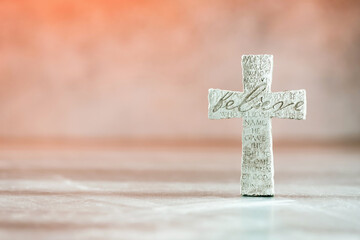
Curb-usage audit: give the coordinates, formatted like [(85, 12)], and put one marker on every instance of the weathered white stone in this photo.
[(257, 105)]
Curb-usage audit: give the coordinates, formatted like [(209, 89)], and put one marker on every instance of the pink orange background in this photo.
[(141, 69)]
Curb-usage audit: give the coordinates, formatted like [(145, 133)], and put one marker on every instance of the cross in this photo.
[(257, 105)]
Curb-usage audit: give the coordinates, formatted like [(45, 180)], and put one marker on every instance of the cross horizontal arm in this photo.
[(257, 103)]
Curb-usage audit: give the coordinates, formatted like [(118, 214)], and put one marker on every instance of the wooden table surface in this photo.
[(190, 193)]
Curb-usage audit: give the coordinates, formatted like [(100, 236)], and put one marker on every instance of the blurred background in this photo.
[(139, 71), (104, 130)]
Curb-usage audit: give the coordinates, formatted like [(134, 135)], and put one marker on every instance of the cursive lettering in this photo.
[(255, 100)]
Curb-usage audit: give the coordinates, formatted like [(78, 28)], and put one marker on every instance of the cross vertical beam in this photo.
[(257, 164)]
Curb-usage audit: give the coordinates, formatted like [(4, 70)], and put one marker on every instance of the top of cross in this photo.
[(257, 68)]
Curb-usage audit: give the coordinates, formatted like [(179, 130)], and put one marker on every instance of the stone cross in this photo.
[(257, 105)]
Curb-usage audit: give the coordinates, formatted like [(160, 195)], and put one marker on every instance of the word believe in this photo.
[(255, 100)]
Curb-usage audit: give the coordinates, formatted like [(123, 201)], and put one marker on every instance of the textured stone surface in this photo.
[(177, 194), (256, 105)]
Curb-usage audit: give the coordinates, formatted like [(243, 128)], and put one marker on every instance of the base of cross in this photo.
[(246, 195)]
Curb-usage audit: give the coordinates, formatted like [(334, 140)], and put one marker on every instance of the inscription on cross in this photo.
[(257, 105)]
